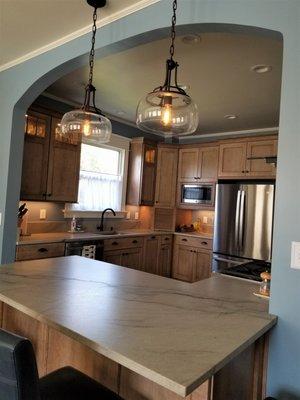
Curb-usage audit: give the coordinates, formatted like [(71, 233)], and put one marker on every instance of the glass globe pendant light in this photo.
[(168, 110), (88, 122)]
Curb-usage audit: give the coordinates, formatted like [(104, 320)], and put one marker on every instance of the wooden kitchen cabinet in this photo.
[(192, 260), (35, 156), (238, 159), (198, 164), (63, 167), (166, 177), (151, 251), (51, 164), (165, 260), (126, 252), (37, 251), (141, 172)]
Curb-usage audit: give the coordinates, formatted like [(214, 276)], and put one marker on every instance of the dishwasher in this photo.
[(85, 248)]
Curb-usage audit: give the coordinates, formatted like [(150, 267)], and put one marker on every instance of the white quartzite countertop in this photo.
[(174, 333)]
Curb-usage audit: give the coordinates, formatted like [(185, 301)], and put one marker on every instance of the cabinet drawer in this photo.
[(166, 239), (203, 243), (123, 243), (36, 251)]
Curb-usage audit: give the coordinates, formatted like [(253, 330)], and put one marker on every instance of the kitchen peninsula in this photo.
[(144, 336)]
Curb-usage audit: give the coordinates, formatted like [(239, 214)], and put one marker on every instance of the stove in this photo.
[(250, 270)]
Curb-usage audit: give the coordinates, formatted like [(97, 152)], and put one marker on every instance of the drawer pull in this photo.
[(184, 240), (43, 250), (134, 241), (204, 243), (153, 237), (114, 243), (167, 238)]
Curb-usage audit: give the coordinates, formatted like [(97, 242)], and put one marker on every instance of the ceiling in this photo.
[(41, 23), (217, 69)]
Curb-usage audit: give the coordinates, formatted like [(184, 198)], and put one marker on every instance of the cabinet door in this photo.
[(165, 260), (188, 165), (132, 258), (203, 265), (151, 252), (184, 262), (208, 164), (166, 178), (232, 160), (259, 168), (113, 257), (64, 167), (35, 156), (148, 177)]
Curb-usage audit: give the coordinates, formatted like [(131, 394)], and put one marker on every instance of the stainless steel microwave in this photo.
[(201, 194)]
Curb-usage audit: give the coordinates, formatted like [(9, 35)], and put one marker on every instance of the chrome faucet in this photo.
[(101, 226)]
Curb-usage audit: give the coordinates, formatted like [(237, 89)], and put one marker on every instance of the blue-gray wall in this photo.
[(283, 16)]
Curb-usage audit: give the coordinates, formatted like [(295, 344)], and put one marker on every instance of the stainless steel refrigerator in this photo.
[(243, 223)]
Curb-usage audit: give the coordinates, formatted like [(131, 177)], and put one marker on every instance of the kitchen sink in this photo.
[(109, 233)]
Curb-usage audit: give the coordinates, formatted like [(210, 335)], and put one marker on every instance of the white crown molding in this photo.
[(65, 39), (219, 135)]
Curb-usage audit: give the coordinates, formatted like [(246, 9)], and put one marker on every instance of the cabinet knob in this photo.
[(49, 194), (167, 238), (184, 240), (43, 250), (195, 177), (153, 237), (134, 241), (114, 243), (204, 243)]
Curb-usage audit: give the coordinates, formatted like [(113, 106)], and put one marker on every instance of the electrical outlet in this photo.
[(136, 215), (205, 220), (128, 215), (295, 256), (43, 213)]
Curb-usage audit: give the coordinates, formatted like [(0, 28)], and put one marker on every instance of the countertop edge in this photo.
[(175, 387)]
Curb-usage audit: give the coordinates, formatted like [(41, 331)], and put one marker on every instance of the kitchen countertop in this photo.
[(174, 333), (195, 234), (56, 237)]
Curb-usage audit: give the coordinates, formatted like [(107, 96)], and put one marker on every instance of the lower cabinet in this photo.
[(35, 251), (151, 253), (192, 258)]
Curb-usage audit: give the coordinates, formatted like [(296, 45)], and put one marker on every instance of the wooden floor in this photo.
[(242, 379)]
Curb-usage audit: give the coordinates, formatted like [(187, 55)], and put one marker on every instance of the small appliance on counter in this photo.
[(243, 228)]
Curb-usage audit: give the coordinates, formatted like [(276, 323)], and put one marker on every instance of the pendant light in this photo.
[(168, 110), (88, 121)]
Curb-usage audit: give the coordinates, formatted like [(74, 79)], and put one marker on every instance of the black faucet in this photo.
[(101, 226)]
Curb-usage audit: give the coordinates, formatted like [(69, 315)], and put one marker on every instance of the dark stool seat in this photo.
[(69, 384), (19, 376)]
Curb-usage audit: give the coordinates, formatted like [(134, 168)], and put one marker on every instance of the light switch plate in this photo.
[(43, 213), (295, 256)]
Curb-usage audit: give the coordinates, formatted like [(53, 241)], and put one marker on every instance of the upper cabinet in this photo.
[(50, 163), (198, 164), (141, 172), (166, 177), (248, 159)]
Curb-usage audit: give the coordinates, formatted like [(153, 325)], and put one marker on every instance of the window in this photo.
[(101, 178)]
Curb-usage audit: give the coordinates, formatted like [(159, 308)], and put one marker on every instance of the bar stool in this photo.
[(19, 376)]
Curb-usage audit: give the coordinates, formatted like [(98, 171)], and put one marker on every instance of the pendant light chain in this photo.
[(92, 52), (173, 30)]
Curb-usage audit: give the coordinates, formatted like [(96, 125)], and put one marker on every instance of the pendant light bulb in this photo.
[(168, 110), (88, 121)]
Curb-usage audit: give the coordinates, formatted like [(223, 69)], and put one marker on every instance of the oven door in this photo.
[(202, 194)]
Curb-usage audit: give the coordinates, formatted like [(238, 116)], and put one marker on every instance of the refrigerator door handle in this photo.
[(237, 219), (242, 220)]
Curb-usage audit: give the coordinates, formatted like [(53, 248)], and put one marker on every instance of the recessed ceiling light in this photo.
[(230, 116), (261, 68), (191, 39)]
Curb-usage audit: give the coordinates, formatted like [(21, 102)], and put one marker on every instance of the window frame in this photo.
[(121, 144)]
